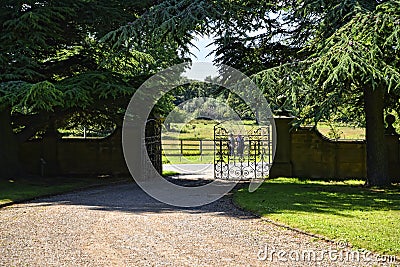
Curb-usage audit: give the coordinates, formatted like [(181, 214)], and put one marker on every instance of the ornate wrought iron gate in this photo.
[(242, 154)]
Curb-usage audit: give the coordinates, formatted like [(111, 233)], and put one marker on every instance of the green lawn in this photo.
[(22, 189), (366, 218)]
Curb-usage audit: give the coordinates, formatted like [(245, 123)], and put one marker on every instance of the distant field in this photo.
[(203, 129), (193, 142), (182, 142), (197, 129), (343, 132)]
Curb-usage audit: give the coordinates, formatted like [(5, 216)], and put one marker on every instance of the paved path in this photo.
[(191, 171), (206, 171), (121, 226)]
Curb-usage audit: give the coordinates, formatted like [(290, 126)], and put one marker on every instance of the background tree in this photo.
[(55, 71), (353, 69), (362, 58), (319, 58)]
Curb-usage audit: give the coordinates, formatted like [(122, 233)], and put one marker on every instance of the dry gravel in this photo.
[(121, 226)]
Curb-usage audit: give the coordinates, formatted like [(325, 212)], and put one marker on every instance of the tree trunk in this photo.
[(10, 166), (375, 137)]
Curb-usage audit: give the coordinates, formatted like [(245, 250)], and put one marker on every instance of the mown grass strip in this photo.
[(24, 189)]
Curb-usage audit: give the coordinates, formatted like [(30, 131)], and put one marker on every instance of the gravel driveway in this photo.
[(121, 226)]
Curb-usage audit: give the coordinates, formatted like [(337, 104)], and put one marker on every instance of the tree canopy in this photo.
[(319, 59), (55, 71)]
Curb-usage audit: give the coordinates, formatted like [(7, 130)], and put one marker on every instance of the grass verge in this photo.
[(23, 189), (366, 218), (207, 159), (169, 173)]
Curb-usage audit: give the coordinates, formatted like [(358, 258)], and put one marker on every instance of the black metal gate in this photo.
[(242, 153), (153, 147)]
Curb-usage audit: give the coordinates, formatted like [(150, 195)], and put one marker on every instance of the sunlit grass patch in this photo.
[(366, 218)]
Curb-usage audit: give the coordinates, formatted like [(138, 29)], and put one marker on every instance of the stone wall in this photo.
[(52, 155), (307, 153), (299, 153)]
